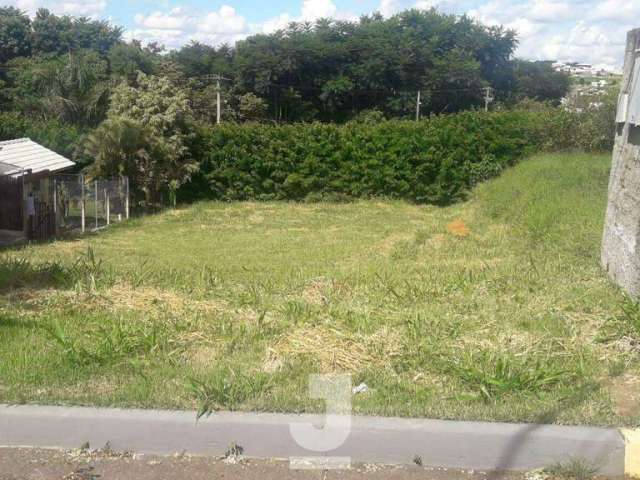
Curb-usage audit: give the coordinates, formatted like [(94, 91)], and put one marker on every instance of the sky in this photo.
[(587, 31)]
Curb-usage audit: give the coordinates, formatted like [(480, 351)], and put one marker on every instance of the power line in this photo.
[(391, 91)]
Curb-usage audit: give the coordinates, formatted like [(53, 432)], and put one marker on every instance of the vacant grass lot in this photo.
[(491, 309)]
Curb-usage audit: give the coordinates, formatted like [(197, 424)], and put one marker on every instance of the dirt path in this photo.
[(36, 464)]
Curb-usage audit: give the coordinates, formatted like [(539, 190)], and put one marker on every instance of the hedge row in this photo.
[(436, 160), (432, 161)]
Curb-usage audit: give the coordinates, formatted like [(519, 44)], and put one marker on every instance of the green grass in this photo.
[(506, 316)]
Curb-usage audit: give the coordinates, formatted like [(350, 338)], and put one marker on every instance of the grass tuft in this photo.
[(573, 469)]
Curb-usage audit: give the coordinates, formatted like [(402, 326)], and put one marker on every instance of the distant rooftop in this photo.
[(23, 154)]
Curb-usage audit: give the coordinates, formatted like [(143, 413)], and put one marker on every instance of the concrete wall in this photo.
[(621, 241)]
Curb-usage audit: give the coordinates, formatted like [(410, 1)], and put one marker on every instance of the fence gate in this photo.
[(10, 203), (43, 223)]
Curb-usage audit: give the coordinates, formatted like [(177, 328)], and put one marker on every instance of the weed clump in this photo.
[(494, 374), (227, 389)]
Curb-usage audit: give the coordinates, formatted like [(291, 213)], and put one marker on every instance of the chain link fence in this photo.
[(82, 204)]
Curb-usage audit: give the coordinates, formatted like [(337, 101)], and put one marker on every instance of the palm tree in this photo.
[(76, 88), (125, 147)]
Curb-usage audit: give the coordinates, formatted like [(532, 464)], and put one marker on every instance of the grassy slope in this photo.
[(233, 305)]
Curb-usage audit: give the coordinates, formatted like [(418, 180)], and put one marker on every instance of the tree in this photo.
[(197, 59), (156, 154), (251, 107), (15, 34), (330, 70), (127, 59), (124, 147), (72, 88), (539, 81), (63, 34)]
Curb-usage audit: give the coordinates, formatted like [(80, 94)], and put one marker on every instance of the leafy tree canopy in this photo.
[(328, 70), (539, 81), (146, 136), (15, 31)]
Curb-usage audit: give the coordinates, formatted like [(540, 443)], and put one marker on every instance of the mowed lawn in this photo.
[(490, 309)]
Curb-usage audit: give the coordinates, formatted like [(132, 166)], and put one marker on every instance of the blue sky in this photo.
[(591, 31)]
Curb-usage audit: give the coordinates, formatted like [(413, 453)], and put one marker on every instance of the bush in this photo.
[(59, 137), (432, 161)]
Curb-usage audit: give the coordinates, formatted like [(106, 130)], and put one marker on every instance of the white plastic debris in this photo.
[(362, 388)]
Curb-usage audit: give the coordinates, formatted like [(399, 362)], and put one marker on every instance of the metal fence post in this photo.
[(82, 212), (55, 207), (95, 201), (106, 201), (126, 198)]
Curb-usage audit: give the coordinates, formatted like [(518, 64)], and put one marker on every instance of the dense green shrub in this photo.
[(590, 130), (433, 161), (585, 123), (59, 137)]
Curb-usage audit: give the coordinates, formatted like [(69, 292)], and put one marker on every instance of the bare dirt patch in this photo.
[(26, 463), (625, 393), (458, 228)]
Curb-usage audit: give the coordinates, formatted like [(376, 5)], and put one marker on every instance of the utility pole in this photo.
[(217, 78), (418, 107), (217, 100), (488, 97)]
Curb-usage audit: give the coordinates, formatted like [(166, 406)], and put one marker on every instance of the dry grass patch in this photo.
[(315, 292), (203, 356), (514, 341), (386, 247), (148, 300), (336, 351)]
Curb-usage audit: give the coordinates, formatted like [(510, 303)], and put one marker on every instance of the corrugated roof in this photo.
[(25, 154), (7, 169)]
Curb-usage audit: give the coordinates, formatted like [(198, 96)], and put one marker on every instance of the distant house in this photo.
[(26, 191)]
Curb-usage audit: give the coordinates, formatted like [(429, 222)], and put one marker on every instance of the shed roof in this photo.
[(25, 154), (7, 169)]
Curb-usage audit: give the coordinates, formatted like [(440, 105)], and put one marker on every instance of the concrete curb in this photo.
[(465, 445)]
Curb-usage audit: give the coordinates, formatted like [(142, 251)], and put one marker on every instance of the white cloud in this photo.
[(615, 10), (178, 26), (78, 8), (311, 10), (224, 21), (175, 19), (389, 7), (276, 23), (574, 30), (587, 43), (550, 11), (315, 9)]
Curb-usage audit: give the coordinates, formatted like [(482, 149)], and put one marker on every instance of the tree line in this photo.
[(121, 107), (328, 70)]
